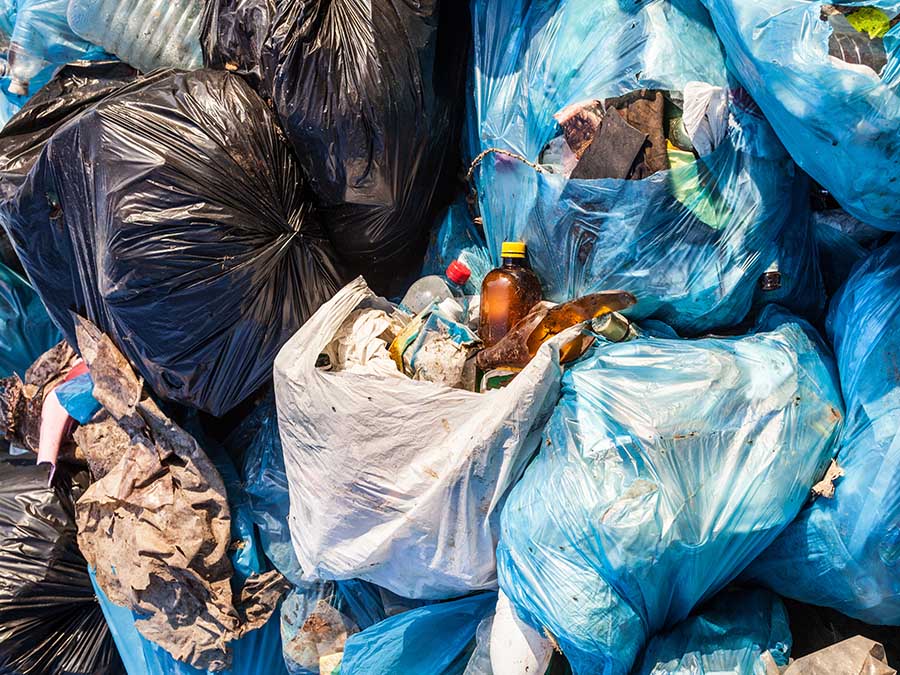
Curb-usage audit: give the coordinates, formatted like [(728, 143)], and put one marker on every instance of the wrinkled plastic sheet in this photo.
[(396, 481), (131, 524), (839, 123), (842, 552), (666, 468), (172, 197), (690, 242), (371, 96), (50, 623), (731, 634)]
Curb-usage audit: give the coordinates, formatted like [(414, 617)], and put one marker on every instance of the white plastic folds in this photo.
[(396, 481)]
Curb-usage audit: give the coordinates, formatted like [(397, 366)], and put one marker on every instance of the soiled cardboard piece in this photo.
[(156, 526)]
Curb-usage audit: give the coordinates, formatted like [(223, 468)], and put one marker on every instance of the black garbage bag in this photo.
[(232, 34), (50, 620), (173, 216), (371, 95)]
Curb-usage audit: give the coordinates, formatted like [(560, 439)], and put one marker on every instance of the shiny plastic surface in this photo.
[(667, 466), (689, 242), (173, 216)]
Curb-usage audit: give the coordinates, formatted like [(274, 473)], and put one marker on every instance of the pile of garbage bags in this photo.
[(487, 337)]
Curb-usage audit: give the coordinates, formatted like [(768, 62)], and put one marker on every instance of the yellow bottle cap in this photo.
[(512, 249)]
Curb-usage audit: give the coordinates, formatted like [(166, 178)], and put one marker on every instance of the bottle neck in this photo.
[(513, 262)]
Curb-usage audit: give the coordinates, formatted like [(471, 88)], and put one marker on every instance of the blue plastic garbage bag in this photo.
[(257, 652), (843, 241), (458, 238), (667, 466), (40, 41), (690, 242), (265, 485), (840, 122), (728, 637), (26, 330), (844, 552), (435, 639)]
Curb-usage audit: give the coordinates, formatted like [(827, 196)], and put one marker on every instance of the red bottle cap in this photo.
[(458, 273)]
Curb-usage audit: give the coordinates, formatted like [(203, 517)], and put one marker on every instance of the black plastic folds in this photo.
[(371, 95), (173, 215), (50, 620)]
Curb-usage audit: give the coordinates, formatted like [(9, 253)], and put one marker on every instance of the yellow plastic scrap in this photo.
[(870, 20)]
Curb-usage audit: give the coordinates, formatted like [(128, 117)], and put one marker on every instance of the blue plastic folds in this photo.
[(257, 652), (77, 397), (458, 238), (844, 552), (26, 330), (840, 122), (436, 639), (729, 635), (689, 242), (667, 466)]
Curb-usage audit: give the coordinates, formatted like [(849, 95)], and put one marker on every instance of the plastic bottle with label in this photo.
[(146, 34), (508, 293)]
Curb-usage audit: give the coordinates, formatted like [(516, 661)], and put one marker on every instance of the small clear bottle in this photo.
[(434, 288), (507, 294)]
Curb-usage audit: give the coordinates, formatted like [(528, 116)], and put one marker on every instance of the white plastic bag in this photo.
[(397, 481)]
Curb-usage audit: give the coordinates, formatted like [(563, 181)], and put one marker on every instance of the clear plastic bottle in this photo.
[(507, 294), (434, 288), (146, 34)]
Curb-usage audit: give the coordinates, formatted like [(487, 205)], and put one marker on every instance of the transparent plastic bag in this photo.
[(667, 466), (843, 552), (840, 121), (690, 242)]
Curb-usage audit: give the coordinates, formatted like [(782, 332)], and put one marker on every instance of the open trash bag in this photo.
[(667, 466), (843, 552), (691, 239), (729, 635), (50, 621), (393, 480), (829, 89), (173, 216)]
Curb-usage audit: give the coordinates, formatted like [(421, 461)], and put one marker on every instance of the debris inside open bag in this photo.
[(666, 468), (826, 77), (130, 522), (690, 241)]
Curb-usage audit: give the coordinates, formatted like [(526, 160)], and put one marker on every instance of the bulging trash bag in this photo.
[(50, 622), (171, 214), (437, 639), (399, 481), (690, 240), (842, 552), (729, 635), (829, 91), (371, 95), (667, 467), (26, 330)]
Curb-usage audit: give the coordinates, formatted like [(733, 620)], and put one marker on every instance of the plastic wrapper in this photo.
[(666, 468), (728, 635), (842, 552), (437, 638), (50, 622), (838, 120), (689, 242), (371, 96), (396, 481), (172, 215)]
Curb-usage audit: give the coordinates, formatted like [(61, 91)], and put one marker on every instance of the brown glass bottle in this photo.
[(507, 294)]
